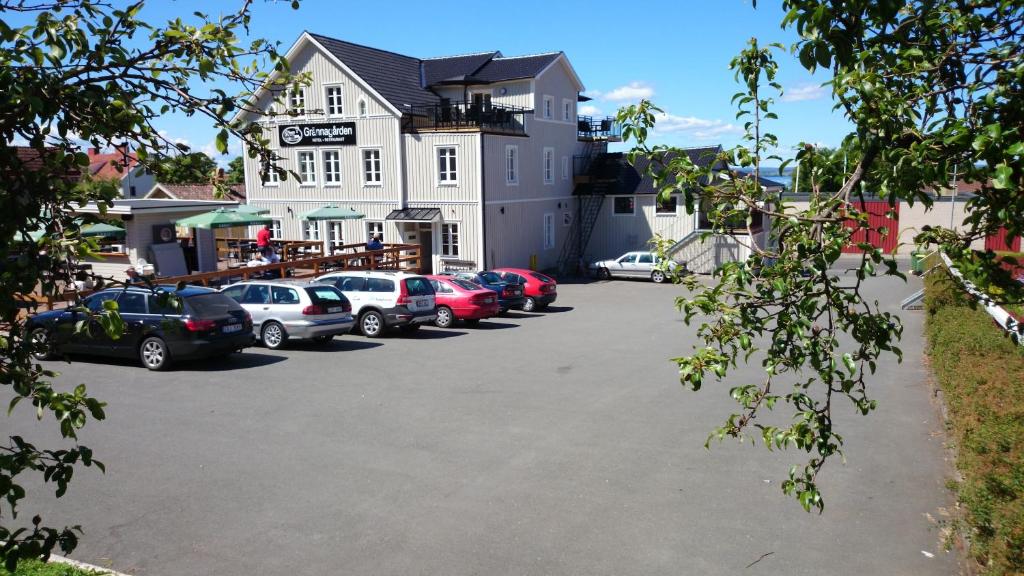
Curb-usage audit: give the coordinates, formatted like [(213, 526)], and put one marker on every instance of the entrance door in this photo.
[(427, 248)]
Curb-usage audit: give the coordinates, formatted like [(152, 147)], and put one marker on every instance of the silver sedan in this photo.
[(635, 265)]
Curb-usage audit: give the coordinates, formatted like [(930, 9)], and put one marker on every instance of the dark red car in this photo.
[(458, 299), (539, 290)]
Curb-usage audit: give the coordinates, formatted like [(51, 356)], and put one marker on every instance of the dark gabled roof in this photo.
[(405, 81), (394, 76), (501, 69), (438, 70), (612, 173)]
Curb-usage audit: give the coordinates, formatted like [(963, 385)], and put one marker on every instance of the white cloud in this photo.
[(234, 149), (803, 92), (589, 110), (697, 128), (630, 92)]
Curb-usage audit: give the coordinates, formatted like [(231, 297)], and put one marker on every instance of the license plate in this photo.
[(421, 304), (334, 310), (232, 328), (489, 301)]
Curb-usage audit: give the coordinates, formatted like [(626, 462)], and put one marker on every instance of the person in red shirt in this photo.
[(264, 246)]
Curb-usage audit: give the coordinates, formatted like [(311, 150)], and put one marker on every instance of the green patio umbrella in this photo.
[(247, 209), (222, 218), (332, 212), (102, 229)]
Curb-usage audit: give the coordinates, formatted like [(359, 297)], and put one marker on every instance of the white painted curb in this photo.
[(84, 566), (1003, 318)]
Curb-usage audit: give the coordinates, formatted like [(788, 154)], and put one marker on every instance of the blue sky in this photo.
[(674, 52)]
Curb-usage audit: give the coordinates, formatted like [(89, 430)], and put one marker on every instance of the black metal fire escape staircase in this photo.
[(600, 178)]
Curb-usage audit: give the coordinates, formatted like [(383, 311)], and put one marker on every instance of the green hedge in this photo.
[(981, 373)]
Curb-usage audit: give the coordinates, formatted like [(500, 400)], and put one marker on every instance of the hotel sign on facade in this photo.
[(329, 134)]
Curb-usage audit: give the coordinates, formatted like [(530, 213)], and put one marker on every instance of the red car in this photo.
[(539, 290), (459, 299)]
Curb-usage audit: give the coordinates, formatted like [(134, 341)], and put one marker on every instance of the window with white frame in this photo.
[(512, 164), (311, 230), (624, 206), (566, 110), (335, 234), (374, 228), (275, 229), (307, 168), (548, 166), (371, 166), (450, 239), (565, 167), (549, 231), (362, 107), (272, 178), (335, 100), (297, 100), (446, 165), (668, 206), (332, 167), (549, 107)]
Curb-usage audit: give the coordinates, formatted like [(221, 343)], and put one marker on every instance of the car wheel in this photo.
[(371, 324), (658, 276), (529, 305), (154, 354), (41, 348), (322, 339), (603, 274), (444, 317), (273, 335)]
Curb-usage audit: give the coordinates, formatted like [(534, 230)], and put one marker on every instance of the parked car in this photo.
[(282, 310), (382, 300), (193, 322), (459, 299), (635, 265), (539, 290), (510, 295)]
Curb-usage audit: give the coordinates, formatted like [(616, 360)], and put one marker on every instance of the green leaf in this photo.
[(1003, 177)]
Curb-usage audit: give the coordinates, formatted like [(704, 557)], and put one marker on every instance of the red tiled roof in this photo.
[(236, 192), (107, 166), (32, 160)]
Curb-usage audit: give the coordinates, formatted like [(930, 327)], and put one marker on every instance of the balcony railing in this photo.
[(589, 128), (455, 116)]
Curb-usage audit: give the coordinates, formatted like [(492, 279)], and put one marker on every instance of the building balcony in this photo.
[(595, 129), (465, 117)]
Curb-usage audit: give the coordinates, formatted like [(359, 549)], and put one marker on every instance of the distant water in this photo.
[(772, 173)]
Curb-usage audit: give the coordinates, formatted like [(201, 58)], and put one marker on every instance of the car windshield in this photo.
[(464, 284), (541, 277), (213, 304), (490, 277)]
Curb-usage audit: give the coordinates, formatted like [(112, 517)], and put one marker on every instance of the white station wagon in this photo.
[(382, 300)]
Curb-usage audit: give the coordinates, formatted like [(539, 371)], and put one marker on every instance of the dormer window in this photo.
[(297, 101)]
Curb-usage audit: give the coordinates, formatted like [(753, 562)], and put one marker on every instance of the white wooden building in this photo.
[(471, 156)]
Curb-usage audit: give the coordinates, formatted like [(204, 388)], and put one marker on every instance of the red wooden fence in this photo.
[(999, 242), (878, 217)]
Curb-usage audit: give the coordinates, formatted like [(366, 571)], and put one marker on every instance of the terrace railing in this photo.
[(590, 128), (456, 116)]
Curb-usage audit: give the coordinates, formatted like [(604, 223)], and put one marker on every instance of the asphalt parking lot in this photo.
[(550, 443)]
